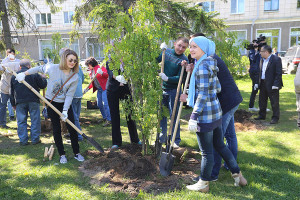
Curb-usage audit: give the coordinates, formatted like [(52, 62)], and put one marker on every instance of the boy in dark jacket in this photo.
[(24, 101)]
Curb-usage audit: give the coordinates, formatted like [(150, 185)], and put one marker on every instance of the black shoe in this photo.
[(24, 144), (101, 120), (260, 118), (4, 126), (12, 118), (274, 121), (36, 142)]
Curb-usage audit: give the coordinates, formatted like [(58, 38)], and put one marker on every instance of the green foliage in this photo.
[(57, 43), (25, 55)]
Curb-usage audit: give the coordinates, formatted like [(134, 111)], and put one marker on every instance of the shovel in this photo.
[(158, 145), (91, 140), (167, 159)]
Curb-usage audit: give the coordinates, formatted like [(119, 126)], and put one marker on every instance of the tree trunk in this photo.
[(5, 25)]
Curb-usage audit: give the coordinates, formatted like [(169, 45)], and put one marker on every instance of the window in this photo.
[(208, 6), (295, 37), (298, 3), (237, 6), (68, 17), (94, 48), (272, 37), (74, 46), (43, 18), (241, 36), (44, 44), (271, 5)]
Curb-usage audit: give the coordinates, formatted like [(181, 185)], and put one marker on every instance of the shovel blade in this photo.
[(166, 163), (93, 142)]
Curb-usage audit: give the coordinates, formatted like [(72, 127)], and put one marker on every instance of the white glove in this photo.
[(192, 126), (274, 87), (121, 79), (99, 71), (20, 77), (255, 87), (85, 91), (8, 71), (65, 115), (163, 76), (163, 46)]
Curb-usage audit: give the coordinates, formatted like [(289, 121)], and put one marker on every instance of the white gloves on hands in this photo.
[(193, 126), (85, 91), (99, 71), (65, 115), (121, 79), (163, 46), (255, 87), (163, 76), (20, 77), (274, 88)]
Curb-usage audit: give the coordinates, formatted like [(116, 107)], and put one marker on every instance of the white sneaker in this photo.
[(63, 159), (79, 157), (175, 146), (253, 109), (202, 186)]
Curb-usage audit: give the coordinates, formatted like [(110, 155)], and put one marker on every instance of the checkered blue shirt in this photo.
[(207, 107)]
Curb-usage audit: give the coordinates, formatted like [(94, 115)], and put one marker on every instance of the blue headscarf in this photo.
[(209, 48)]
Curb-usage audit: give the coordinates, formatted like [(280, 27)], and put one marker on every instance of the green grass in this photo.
[(269, 159)]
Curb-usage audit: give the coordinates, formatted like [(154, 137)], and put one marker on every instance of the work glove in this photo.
[(85, 91), (255, 87), (8, 71), (163, 76), (121, 79), (274, 87), (193, 126), (99, 71), (20, 77), (163, 46), (64, 116)]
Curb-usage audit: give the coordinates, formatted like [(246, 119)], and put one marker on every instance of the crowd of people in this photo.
[(213, 96)]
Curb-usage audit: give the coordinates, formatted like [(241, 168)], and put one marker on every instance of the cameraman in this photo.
[(254, 58)]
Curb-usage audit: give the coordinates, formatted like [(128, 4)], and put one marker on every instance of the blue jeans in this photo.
[(103, 104), (168, 101), (228, 131), (207, 142), (3, 103), (76, 106), (34, 110), (10, 109)]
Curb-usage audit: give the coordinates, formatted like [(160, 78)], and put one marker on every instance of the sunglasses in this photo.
[(74, 61)]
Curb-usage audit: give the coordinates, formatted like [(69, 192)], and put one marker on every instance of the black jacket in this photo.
[(230, 95), (273, 74), (22, 94)]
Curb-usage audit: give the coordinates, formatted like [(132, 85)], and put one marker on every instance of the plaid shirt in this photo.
[(207, 107)]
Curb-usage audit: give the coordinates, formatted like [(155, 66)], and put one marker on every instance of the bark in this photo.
[(5, 25)]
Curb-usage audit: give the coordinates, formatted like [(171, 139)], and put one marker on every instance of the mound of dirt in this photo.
[(126, 170)]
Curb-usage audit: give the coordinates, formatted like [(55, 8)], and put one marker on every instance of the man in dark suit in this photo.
[(269, 82)]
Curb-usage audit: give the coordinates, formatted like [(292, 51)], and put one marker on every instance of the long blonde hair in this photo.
[(63, 60)]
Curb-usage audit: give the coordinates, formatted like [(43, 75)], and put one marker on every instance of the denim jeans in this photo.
[(168, 101), (76, 106), (103, 104), (34, 110), (228, 131), (10, 109), (207, 141), (3, 103)]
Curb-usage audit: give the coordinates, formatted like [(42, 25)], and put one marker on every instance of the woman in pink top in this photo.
[(99, 84)]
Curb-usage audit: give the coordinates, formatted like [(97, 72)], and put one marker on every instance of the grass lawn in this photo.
[(269, 159)]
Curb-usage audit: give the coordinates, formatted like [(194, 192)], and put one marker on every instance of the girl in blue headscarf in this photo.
[(206, 118)]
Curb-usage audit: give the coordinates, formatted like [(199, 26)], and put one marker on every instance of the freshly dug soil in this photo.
[(126, 170)]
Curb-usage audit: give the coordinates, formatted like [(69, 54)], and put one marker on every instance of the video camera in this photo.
[(257, 43)]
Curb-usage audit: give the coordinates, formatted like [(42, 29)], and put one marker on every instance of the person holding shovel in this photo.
[(99, 84), (206, 118), (62, 84), (170, 77)]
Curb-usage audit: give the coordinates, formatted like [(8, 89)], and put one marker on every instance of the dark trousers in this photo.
[(253, 93), (273, 95), (113, 98), (55, 119)]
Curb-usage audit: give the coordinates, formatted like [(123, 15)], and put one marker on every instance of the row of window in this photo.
[(45, 18), (93, 47), (272, 37)]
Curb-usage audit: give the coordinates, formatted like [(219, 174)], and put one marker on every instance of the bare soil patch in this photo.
[(126, 170)]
